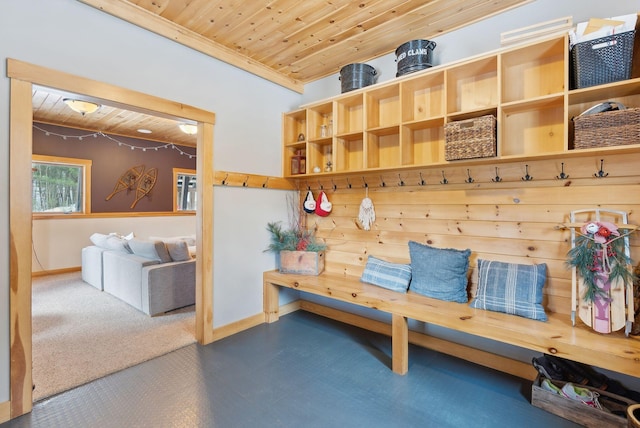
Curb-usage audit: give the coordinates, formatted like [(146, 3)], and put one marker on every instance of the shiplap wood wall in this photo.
[(511, 220)]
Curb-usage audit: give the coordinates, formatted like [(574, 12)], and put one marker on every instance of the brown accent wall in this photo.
[(111, 159)]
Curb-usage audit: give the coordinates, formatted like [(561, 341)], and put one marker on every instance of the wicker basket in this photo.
[(600, 61), (611, 128), (471, 138)]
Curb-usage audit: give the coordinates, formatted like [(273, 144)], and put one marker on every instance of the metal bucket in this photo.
[(414, 55), (355, 76)]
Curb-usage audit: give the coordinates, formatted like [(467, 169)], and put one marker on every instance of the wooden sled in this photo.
[(145, 184), (615, 310), (127, 180)]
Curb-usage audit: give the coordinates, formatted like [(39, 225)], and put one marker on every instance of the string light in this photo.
[(120, 143)]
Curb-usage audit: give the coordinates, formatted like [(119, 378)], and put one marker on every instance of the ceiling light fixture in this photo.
[(82, 107), (144, 131), (187, 128)]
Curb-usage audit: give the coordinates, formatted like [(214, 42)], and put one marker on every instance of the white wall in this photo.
[(69, 36), (484, 36), (57, 243), (240, 238)]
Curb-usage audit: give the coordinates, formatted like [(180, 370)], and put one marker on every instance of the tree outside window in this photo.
[(184, 189), (60, 185)]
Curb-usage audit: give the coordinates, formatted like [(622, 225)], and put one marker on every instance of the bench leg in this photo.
[(271, 302), (399, 344)]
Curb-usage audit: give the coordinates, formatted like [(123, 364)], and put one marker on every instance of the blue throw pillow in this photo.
[(511, 288), (439, 273), (394, 276)]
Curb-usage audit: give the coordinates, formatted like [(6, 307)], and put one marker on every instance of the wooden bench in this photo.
[(557, 336)]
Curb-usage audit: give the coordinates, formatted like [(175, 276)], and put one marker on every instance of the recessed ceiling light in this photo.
[(144, 131)]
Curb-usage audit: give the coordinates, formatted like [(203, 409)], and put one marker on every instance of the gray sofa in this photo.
[(152, 276), (149, 285), (92, 266)]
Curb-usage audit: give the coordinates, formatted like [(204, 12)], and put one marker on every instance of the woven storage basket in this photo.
[(600, 61), (611, 128), (471, 138)]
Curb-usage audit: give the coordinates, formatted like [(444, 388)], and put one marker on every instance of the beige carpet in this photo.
[(81, 334)]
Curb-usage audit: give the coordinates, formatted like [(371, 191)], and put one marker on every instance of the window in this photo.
[(184, 189), (60, 185)]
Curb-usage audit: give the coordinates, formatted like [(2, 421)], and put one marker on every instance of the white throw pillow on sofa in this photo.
[(110, 242)]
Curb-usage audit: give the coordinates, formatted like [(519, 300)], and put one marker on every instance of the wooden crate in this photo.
[(578, 412), (302, 262)]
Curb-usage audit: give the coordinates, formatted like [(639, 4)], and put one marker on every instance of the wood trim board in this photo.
[(23, 76)]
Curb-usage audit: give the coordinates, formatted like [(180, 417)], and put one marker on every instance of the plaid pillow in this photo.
[(511, 288), (394, 276)]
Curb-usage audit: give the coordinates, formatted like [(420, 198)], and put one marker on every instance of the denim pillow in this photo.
[(511, 288), (394, 276), (439, 273)]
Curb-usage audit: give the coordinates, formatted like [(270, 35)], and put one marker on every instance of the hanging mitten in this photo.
[(309, 204), (367, 214), (323, 206)]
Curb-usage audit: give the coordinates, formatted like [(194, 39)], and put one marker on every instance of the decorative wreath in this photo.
[(599, 253)]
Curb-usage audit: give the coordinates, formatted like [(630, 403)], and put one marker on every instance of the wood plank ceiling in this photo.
[(293, 42), (49, 108), (289, 42)]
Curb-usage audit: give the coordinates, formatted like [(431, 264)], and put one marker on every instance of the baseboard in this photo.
[(54, 271), (5, 411), (237, 327), (247, 323), (477, 356), (290, 307)]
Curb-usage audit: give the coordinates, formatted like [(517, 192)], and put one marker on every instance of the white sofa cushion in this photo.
[(110, 242)]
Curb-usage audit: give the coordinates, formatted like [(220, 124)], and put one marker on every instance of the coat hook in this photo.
[(348, 183), (469, 179), (265, 182), (421, 182), (245, 182), (498, 178), (320, 185), (444, 179), (334, 185), (527, 177), (562, 175), (382, 183), (307, 184), (224, 180), (400, 183), (365, 183), (601, 173)]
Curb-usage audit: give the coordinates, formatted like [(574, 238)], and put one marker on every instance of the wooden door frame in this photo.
[(23, 76)]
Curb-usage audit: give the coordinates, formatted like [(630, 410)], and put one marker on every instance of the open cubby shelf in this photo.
[(400, 124)]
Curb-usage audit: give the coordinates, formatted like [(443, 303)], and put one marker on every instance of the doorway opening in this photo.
[(23, 77)]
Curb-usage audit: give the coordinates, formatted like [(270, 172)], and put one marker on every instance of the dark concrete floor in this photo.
[(303, 371)]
